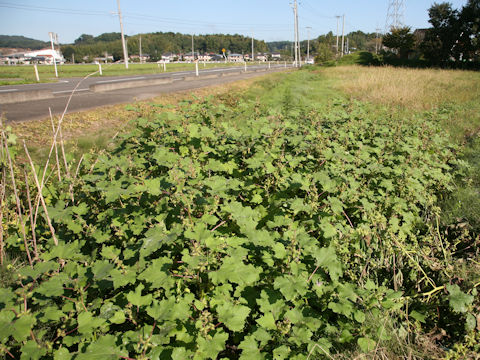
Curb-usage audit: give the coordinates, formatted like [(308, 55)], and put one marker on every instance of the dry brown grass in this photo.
[(453, 96), (419, 89)]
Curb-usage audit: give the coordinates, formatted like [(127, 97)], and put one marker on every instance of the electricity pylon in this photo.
[(395, 15)]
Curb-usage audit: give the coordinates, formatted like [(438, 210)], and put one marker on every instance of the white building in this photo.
[(189, 57), (261, 57), (205, 57), (169, 57), (48, 54), (235, 58)]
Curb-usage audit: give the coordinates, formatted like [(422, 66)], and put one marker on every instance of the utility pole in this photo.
[(377, 45), (253, 49), (193, 49), (338, 20), (348, 47), (298, 37), (140, 48), (125, 52), (308, 42), (52, 36), (295, 14), (343, 35)]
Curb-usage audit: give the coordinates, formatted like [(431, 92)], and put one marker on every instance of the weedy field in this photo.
[(300, 217)]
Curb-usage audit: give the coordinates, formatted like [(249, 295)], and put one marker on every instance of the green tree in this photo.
[(68, 52), (469, 39), (107, 37), (401, 40), (440, 41), (324, 53)]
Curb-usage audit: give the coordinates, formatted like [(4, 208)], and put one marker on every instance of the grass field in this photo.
[(309, 215), (24, 74)]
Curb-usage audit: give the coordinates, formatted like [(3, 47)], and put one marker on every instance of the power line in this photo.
[(138, 16), (54, 10), (307, 6)]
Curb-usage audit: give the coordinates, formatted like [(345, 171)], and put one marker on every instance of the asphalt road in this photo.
[(85, 99)]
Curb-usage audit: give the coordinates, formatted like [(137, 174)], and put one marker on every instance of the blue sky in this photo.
[(269, 20)]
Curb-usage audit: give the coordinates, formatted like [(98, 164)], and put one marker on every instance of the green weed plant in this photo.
[(241, 232)]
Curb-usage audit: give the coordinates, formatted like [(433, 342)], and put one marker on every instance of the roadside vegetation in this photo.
[(308, 216)]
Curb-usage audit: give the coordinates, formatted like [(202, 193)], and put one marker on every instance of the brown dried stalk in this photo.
[(32, 224), (17, 199), (2, 198), (55, 144), (42, 200)]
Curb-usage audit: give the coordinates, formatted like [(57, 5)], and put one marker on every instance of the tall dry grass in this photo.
[(420, 89), (454, 94)]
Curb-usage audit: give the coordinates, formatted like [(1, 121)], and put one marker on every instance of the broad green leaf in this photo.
[(250, 350), (280, 251), (87, 323), (62, 354), (32, 351), (458, 300), (327, 259), (267, 321), (233, 316), (210, 348), (104, 348), (118, 318), (281, 353), (157, 273), (22, 327), (136, 298), (366, 344), (359, 316), (417, 316)]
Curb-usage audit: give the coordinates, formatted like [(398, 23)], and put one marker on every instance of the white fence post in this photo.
[(36, 72)]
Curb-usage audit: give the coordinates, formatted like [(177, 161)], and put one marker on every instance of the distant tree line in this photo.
[(326, 44), (156, 44), (22, 42)]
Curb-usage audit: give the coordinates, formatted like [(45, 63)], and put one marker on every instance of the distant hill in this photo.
[(276, 46), (86, 39), (21, 42)]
